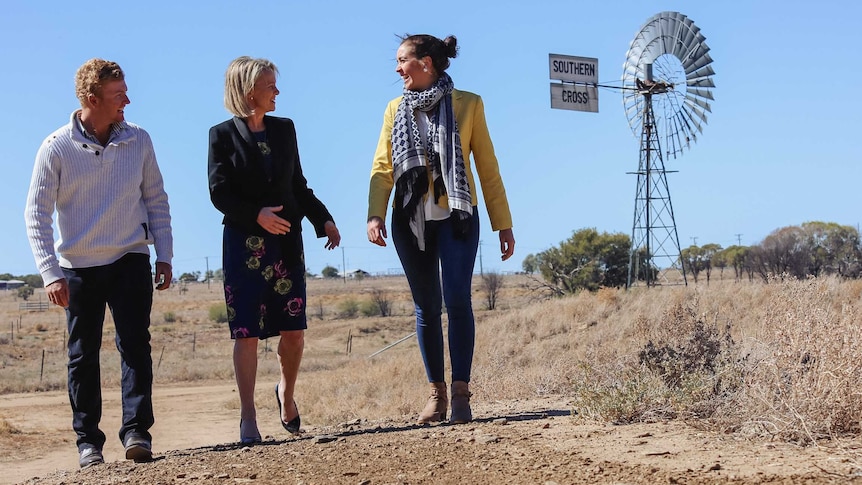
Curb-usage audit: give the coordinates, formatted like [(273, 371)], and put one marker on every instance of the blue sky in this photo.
[(782, 145)]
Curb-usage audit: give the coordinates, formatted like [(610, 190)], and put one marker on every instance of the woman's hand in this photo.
[(271, 222), (333, 235), (507, 243), (376, 231)]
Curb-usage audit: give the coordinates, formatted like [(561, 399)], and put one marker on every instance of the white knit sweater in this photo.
[(110, 201)]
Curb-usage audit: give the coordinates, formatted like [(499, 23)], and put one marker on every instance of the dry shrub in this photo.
[(682, 367), (802, 383), (6, 428), (610, 388)]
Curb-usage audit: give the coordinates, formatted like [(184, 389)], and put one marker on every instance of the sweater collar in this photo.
[(120, 132)]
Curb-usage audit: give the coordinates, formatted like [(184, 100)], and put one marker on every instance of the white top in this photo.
[(433, 212), (110, 200)]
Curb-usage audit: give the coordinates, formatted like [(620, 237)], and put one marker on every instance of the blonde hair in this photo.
[(239, 81), (92, 75)]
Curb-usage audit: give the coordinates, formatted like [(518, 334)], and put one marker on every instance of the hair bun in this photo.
[(451, 44)]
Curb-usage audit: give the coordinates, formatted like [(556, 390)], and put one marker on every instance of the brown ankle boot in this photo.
[(461, 412), (435, 408)]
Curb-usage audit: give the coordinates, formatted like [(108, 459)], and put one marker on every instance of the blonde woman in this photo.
[(256, 181)]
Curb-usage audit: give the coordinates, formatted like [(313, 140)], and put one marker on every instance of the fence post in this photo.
[(42, 369), (160, 358), (349, 340), (194, 341)]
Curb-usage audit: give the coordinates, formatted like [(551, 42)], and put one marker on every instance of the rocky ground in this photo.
[(520, 442)]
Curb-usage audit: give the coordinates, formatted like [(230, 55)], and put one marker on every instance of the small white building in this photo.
[(11, 284)]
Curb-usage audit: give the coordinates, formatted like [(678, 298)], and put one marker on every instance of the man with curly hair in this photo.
[(99, 174)]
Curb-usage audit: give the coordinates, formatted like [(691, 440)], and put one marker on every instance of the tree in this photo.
[(329, 272), (709, 252), (644, 268), (530, 264), (190, 277), (25, 292), (32, 280), (491, 284), (588, 260), (834, 248), (692, 257), (734, 256), (812, 249)]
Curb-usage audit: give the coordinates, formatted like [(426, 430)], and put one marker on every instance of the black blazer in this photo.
[(240, 186)]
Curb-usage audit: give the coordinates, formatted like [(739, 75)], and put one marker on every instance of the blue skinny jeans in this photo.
[(453, 259)]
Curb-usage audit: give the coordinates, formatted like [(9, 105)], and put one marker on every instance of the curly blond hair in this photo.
[(92, 75)]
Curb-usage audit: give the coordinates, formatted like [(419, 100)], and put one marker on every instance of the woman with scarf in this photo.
[(424, 151)]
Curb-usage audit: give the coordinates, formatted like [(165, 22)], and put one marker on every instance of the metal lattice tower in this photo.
[(668, 109), (654, 236)]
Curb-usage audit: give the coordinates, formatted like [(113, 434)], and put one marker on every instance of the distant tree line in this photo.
[(590, 260), (31, 280)]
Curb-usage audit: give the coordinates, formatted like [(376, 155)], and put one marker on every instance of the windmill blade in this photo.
[(703, 93), (706, 71), (697, 111), (705, 82), (698, 63), (691, 100), (691, 121)]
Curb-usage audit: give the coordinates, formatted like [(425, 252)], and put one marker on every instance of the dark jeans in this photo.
[(126, 287), (455, 258)]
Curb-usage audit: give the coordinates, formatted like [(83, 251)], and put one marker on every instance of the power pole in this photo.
[(343, 266), (207, 258), (739, 239), (481, 271), (694, 241)]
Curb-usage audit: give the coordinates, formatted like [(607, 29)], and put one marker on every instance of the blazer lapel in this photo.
[(244, 132)]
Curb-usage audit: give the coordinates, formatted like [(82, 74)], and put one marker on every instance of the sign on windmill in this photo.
[(578, 91)]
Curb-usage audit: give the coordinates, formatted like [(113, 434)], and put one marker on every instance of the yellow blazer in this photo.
[(475, 139)]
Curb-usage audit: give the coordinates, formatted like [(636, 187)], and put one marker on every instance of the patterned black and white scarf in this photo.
[(442, 152)]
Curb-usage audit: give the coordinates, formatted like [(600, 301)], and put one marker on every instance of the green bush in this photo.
[(25, 292), (348, 308), (171, 317), (218, 313), (369, 308)]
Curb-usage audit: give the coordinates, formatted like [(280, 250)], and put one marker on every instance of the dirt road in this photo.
[(528, 441)]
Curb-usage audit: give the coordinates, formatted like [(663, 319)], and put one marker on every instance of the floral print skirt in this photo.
[(262, 294)]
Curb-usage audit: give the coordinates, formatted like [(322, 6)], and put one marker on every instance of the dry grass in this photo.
[(778, 360)]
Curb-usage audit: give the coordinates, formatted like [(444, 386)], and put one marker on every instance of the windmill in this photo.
[(667, 86)]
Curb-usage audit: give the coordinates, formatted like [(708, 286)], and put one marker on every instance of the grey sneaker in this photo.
[(89, 455), (138, 448)]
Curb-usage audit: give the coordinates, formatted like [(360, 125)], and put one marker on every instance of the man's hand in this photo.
[(58, 293), (163, 276)]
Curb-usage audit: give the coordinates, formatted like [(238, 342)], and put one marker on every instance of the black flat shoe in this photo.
[(294, 424)]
